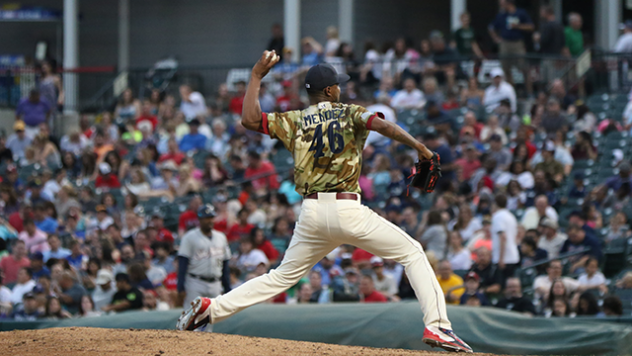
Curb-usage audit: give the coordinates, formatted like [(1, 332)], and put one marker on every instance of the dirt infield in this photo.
[(96, 341)]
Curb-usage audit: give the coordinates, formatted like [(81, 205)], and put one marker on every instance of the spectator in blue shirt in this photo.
[(76, 256), (33, 111), (193, 140), (38, 267), (312, 51), (43, 221), (578, 240), (509, 30), (624, 176), (472, 288), (579, 189), (56, 251)]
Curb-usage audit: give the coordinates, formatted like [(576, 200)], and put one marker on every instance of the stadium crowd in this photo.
[(91, 221)]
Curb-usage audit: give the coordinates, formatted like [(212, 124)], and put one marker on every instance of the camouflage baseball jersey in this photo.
[(326, 141)]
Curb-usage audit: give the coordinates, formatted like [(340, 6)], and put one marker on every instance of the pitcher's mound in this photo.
[(96, 341)]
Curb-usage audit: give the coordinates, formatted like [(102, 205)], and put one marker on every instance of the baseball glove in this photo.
[(426, 174)]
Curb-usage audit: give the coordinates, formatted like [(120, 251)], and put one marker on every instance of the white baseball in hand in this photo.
[(272, 56)]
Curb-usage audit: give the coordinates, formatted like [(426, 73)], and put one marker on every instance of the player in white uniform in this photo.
[(203, 260), (326, 141)]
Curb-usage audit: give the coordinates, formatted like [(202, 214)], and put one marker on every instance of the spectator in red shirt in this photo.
[(522, 139), (237, 102), (17, 219), (368, 292), (146, 115), (289, 100), (260, 242), (242, 229), (361, 258), (469, 163), (188, 219), (470, 123), (163, 235), (263, 169), (173, 154), (106, 179), (11, 264)]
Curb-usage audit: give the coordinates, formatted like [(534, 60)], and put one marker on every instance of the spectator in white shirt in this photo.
[(624, 43), (333, 42), (551, 240), (460, 258), (25, 284), (381, 105), (504, 231), (104, 291), (498, 91), (193, 104), (384, 283), (409, 98), (592, 278), (542, 284), (250, 257), (541, 208)]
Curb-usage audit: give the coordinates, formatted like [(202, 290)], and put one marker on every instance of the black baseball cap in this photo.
[(206, 211), (323, 75)]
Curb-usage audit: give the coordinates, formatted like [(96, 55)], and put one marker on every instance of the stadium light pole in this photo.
[(457, 7), (123, 35), (292, 26), (71, 54), (345, 20)]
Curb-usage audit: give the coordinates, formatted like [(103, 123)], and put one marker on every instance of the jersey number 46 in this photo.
[(336, 141)]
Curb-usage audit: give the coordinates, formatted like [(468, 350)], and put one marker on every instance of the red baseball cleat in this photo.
[(199, 315), (445, 339)]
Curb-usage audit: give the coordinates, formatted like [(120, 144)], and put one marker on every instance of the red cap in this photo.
[(472, 274)]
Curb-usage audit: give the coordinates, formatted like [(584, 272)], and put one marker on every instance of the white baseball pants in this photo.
[(324, 224)]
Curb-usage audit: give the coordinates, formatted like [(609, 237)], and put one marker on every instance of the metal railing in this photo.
[(602, 70)]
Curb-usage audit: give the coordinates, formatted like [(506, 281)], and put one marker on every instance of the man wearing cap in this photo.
[(193, 140), (552, 240), (509, 29), (383, 283), (624, 43), (203, 260), (262, 173), (33, 111), (126, 297), (471, 281), (163, 235), (192, 103), (104, 291), (498, 91), (326, 141), (29, 310), (18, 141), (624, 176), (38, 267), (106, 179), (346, 286), (409, 97)]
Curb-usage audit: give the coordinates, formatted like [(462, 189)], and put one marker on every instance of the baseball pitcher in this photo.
[(326, 140)]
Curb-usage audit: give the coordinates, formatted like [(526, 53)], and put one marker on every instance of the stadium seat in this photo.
[(615, 256)]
